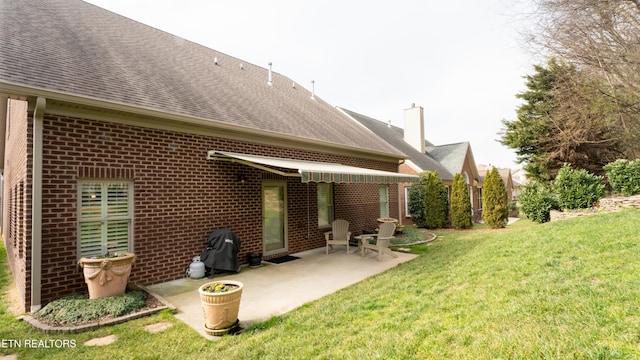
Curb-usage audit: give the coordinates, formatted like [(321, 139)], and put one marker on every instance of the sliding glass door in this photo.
[(274, 217)]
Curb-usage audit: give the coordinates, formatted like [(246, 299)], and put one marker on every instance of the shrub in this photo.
[(495, 210), (77, 309), (513, 209), (436, 204), (460, 204), (416, 202), (537, 201), (577, 189), (624, 176)]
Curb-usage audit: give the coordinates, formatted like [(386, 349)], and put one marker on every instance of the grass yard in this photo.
[(562, 290)]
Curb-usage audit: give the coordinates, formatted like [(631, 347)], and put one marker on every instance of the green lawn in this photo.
[(569, 289)]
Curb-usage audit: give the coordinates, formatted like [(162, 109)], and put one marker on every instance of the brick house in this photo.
[(446, 160), (119, 137)]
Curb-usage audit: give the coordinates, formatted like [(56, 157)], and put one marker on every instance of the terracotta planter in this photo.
[(107, 276), (220, 308)]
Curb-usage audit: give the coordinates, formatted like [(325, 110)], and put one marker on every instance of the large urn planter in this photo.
[(220, 304), (107, 276)]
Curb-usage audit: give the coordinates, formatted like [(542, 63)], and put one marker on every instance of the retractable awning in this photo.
[(313, 171)]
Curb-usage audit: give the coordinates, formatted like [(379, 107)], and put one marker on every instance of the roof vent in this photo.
[(313, 89), (293, 85), (270, 81), (215, 60), (241, 66), (389, 124)]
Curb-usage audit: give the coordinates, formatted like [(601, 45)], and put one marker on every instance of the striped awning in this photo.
[(313, 171)]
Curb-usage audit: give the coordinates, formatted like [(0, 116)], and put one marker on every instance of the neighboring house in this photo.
[(446, 160), (505, 174), (119, 137), (519, 177)]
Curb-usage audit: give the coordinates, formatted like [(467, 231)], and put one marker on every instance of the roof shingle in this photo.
[(74, 48)]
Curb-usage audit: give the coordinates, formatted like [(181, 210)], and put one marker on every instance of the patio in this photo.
[(274, 289)]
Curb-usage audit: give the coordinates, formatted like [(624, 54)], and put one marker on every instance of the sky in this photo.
[(462, 61)]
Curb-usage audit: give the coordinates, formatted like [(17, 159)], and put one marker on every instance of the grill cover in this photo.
[(221, 252)]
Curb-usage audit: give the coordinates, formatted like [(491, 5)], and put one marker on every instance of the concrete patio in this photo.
[(274, 289)]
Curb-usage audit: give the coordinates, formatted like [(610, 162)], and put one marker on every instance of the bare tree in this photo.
[(602, 39)]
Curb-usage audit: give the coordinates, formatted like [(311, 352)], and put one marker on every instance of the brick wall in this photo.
[(16, 229), (179, 196)]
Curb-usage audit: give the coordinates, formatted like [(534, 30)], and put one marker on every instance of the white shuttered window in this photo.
[(105, 214)]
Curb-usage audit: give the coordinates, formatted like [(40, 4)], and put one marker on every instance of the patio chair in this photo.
[(339, 234), (383, 238)]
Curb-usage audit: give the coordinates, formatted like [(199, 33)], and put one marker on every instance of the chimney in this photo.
[(414, 127)]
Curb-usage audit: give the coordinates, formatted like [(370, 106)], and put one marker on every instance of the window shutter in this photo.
[(105, 218), (91, 239)]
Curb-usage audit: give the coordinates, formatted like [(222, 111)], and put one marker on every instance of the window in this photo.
[(384, 201), (104, 224), (325, 204), (406, 201)]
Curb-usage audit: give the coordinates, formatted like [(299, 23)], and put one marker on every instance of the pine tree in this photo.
[(495, 210), (436, 204), (460, 204)]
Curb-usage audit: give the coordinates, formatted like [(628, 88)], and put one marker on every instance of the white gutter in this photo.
[(251, 133), (36, 212)]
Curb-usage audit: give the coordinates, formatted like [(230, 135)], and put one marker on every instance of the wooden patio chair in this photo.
[(339, 234), (383, 238)]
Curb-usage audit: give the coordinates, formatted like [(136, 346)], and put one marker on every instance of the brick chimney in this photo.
[(414, 127)]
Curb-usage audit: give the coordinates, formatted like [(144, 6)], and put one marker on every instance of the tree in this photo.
[(436, 204), (600, 39), (564, 119), (495, 202), (460, 204)]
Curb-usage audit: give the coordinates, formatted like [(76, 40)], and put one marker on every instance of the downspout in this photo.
[(4, 101), (3, 125), (36, 214), (400, 193)]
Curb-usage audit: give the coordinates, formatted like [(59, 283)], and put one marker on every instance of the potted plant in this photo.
[(220, 303), (107, 275)]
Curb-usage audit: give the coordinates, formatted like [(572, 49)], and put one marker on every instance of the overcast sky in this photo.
[(462, 61)]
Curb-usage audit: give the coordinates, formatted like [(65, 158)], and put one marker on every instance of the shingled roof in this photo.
[(395, 136), (69, 49)]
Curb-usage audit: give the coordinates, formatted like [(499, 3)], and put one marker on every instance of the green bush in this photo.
[(495, 209), (436, 204), (577, 189), (537, 201), (624, 176), (460, 204), (416, 202), (79, 309)]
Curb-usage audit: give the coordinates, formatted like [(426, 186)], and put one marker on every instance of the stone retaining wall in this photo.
[(608, 204)]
